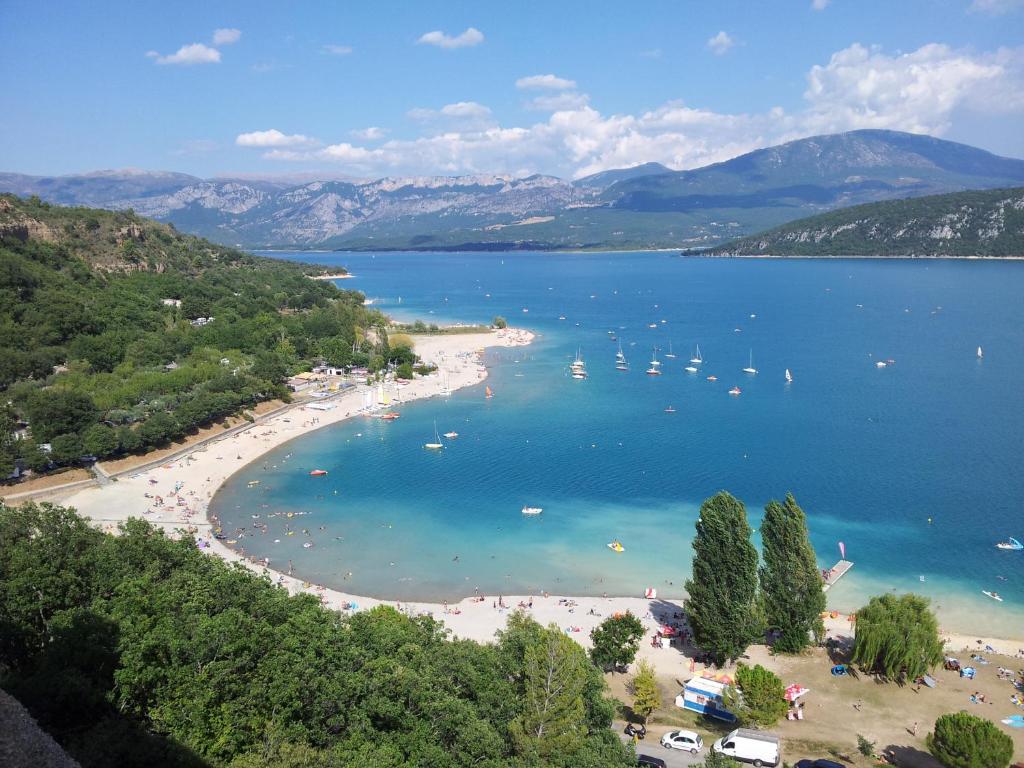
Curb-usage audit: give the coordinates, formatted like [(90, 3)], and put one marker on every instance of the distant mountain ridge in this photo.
[(646, 206), (986, 223)]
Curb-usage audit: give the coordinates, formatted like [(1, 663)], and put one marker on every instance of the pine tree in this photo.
[(722, 605), (962, 740), (646, 694), (553, 721), (790, 583)]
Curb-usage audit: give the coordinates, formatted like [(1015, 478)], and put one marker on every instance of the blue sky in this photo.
[(381, 88)]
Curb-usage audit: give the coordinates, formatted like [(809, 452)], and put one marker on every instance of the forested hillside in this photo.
[(137, 650), (966, 224), (118, 333)]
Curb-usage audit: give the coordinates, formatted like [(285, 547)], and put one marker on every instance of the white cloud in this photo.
[(465, 109), (467, 39), (919, 91), (338, 50), (273, 138), (558, 101), (720, 43), (545, 82), (922, 91), (196, 53), (819, 5), (996, 7), (226, 36), (369, 134)]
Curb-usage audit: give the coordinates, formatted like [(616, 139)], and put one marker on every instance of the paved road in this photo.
[(673, 758)]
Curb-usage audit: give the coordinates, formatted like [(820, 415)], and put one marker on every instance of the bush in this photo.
[(499, 322), (67, 449), (961, 740), (865, 747), (404, 371)]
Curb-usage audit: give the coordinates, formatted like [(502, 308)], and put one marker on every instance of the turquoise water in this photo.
[(871, 454)]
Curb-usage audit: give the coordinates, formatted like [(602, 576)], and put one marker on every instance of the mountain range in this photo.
[(646, 206)]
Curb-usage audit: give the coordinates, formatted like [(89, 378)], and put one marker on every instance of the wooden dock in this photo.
[(835, 573)]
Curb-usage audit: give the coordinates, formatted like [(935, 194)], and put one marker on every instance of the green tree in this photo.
[(8, 442), (897, 637), (100, 440), (499, 322), (32, 456), (404, 371), (717, 760), (762, 701), (158, 429), (67, 449), (865, 746), (616, 641), (646, 693), (962, 740), (553, 721), (790, 582), (722, 603), (53, 412)]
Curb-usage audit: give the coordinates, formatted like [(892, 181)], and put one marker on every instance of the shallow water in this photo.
[(871, 454)]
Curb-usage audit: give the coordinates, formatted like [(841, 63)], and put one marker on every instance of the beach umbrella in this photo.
[(794, 692), (668, 631), (650, 593)]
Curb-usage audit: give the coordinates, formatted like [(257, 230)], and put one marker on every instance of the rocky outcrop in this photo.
[(23, 744)]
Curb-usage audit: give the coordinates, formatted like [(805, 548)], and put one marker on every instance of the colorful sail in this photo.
[(842, 550)]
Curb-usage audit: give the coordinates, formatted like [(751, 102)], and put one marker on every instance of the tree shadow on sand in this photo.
[(910, 757)]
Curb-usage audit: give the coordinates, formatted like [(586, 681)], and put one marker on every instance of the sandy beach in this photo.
[(186, 485)]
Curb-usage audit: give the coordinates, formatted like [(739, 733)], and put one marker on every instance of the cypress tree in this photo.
[(722, 603), (790, 583)]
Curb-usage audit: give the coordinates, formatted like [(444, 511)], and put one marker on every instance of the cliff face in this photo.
[(965, 224), (23, 744)]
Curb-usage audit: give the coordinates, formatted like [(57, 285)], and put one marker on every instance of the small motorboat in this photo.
[(532, 510), (390, 415), (451, 435), (670, 409), (690, 369), (993, 595), (616, 546), (735, 391), (712, 378), (1010, 543), (318, 473), (881, 364), (308, 545)]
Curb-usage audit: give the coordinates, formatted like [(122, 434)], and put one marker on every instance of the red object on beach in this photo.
[(794, 692), (668, 631)]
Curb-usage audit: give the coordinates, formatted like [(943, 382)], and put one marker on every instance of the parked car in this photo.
[(636, 729), (818, 764), (686, 740), (646, 761)]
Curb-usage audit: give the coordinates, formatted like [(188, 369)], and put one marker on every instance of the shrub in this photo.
[(962, 740)]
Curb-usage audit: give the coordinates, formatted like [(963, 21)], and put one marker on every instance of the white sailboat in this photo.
[(750, 366), (437, 440), (578, 367), (655, 369), (980, 353), (789, 377), (669, 353), (620, 360), (697, 359)]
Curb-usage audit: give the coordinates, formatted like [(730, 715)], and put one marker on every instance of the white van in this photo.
[(749, 746)]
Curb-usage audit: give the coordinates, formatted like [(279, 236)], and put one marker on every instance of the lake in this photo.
[(914, 466)]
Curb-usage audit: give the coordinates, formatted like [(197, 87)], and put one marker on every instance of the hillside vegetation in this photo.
[(118, 333), (966, 224), (139, 651)]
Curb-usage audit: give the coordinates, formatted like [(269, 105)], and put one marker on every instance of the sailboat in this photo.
[(697, 359), (437, 440), (655, 369), (488, 394), (669, 354), (750, 366), (789, 377), (980, 353), (578, 367)]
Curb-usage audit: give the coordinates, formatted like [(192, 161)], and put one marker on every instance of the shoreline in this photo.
[(189, 482)]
